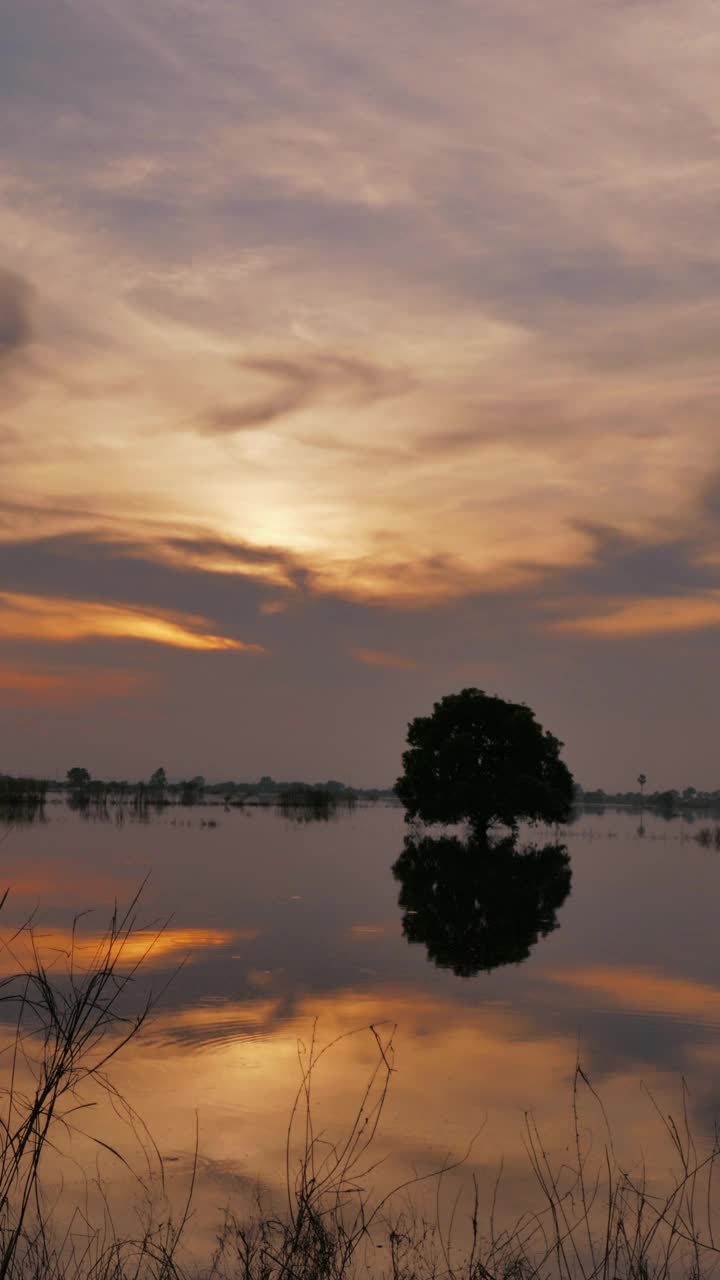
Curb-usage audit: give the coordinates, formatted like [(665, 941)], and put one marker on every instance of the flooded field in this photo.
[(257, 932)]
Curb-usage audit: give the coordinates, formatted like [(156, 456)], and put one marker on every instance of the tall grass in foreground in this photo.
[(596, 1217), (68, 1027), (602, 1221)]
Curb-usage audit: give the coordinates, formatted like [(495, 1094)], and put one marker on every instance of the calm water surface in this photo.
[(281, 923)]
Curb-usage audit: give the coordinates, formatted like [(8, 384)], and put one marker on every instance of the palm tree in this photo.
[(642, 780)]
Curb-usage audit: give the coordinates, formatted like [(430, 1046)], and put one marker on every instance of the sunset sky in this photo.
[(352, 353)]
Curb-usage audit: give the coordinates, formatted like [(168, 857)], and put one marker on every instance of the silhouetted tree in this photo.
[(472, 912), (78, 778), (192, 791), (641, 782), (666, 803), (158, 780), (482, 759)]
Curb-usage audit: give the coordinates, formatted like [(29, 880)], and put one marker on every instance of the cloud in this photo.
[(222, 556), (151, 570), (648, 615), (15, 318), (663, 562), (416, 582), (70, 687), (269, 608), (632, 586), (299, 382), (51, 619), (149, 563), (401, 577), (710, 497), (356, 348), (377, 658)]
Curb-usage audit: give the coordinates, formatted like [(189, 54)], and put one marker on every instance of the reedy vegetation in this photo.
[(597, 1218)]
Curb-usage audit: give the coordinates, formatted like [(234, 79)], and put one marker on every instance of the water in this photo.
[(279, 926)]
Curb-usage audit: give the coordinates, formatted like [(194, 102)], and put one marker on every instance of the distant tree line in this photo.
[(88, 795), (196, 790), (22, 800), (22, 789), (81, 787), (670, 800)]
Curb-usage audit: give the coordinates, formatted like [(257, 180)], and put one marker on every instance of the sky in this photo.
[(352, 354)]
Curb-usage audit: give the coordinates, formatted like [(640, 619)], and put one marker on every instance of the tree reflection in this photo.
[(478, 905)]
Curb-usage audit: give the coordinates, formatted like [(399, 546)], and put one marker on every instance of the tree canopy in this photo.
[(483, 760), (77, 777)]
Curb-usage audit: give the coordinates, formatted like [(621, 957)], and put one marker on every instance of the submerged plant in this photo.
[(708, 837)]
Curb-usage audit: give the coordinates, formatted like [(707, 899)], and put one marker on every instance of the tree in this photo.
[(481, 759), (77, 777), (158, 780), (641, 782), (666, 800), (192, 791)]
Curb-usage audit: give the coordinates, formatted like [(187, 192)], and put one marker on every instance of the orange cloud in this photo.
[(377, 658), (271, 607), (403, 581), (24, 617), (31, 686), (216, 558), (652, 615)]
